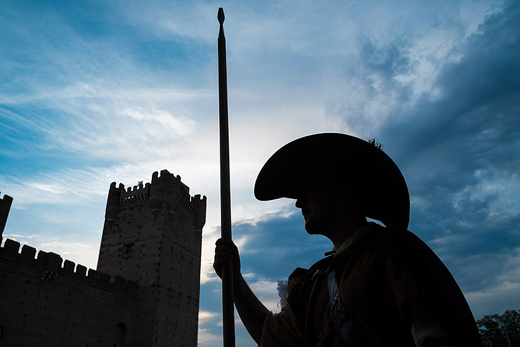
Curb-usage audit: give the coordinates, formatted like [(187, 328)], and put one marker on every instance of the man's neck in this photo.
[(339, 235)]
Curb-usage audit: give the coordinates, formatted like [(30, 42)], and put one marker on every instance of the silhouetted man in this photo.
[(379, 286)]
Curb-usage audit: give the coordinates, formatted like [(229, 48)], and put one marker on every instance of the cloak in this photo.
[(378, 275)]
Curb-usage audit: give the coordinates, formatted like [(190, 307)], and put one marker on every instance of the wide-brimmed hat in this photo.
[(338, 158)]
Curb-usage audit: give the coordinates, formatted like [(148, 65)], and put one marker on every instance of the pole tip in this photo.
[(220, 15)]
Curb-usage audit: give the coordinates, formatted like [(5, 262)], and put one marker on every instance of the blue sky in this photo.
[(93, 92)]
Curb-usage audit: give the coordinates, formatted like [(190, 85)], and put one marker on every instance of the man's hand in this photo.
[(226, 252), (251, 310)]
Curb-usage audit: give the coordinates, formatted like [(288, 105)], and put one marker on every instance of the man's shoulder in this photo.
[(391, 242), (384, 241), (302, 273)]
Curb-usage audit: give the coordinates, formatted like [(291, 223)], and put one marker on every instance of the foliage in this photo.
[(375, 142), (491, 328)]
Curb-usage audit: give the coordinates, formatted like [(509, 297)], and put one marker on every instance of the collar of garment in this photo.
[(356, 236)]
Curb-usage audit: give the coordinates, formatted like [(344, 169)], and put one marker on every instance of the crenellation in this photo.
[(170, 190), (134, 194), (50, 266), (134, 198), (11, 246), (200, 215), (188, 206), (81, 271), (113, 203), (92, 276), (167, 178), (53, 262), (27, 257), (28, 252), (68, 268)]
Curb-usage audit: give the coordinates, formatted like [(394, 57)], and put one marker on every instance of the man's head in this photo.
[(375, 185), (329, 206)]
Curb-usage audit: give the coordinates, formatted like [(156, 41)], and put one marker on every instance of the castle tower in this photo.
[(5, 206), (152, 235)]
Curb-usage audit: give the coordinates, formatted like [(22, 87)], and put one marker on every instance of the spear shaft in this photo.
[(228, 312)]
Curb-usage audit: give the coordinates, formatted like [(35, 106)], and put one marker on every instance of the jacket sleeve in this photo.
[(282, 329), (285, 328)]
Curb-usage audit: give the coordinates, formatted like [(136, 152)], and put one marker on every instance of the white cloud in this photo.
[(205, 316), (207, 338), (267, 293), (20, 237)]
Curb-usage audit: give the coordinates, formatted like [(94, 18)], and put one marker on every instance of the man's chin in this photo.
[(311, 229)]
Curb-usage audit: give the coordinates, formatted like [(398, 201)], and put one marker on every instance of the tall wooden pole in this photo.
[(228, 311)]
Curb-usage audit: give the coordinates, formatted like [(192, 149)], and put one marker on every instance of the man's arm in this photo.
[(252, 312), (426, 329)]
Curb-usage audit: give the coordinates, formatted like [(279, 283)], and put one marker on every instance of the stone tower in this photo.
[(152, 235)]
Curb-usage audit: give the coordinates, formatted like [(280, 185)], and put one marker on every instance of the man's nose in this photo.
[(301, 200)]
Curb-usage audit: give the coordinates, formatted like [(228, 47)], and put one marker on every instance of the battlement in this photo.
[(52, 266), (192, 204), (6, 200), (166, 178), (161, 185), (132, 195)]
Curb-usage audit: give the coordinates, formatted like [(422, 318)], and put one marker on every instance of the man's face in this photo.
[(317, 202)]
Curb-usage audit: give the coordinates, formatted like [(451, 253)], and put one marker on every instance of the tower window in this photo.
[(128, 247)]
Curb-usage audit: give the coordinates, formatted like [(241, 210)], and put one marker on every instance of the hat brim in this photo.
[(338, 157)]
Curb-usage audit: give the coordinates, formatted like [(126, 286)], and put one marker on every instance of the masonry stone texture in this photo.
[(144, 292)]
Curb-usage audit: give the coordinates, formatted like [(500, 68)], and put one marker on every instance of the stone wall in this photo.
[(47, 302)]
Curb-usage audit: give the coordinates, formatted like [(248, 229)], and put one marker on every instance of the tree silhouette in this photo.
[(495, 329)]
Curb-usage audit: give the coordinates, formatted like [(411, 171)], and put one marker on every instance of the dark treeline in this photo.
[(500, 330)]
